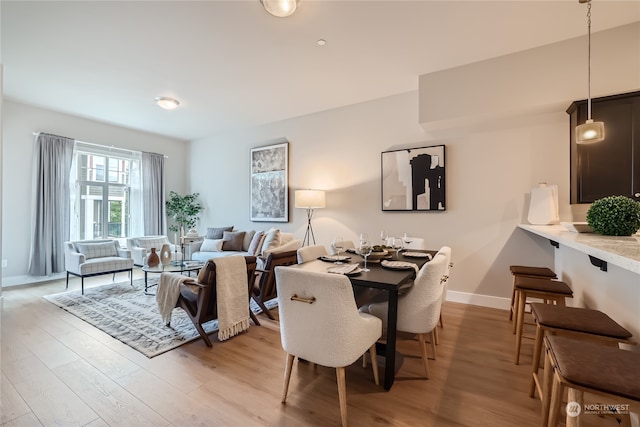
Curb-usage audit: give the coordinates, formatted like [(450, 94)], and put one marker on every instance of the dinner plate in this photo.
[(334, 258), (417, 255), (398, 265)]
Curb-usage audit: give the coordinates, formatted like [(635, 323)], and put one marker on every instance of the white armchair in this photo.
[(140, 248), (419, 308), (86, 258), (320, 323)]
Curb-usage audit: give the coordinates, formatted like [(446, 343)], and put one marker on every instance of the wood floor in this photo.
[(57, 370)]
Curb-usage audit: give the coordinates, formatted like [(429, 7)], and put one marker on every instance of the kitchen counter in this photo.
[(623, 252)]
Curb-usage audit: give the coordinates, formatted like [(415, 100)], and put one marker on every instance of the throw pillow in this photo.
[(232, 240), (256, 243), (211, 245), (248, 237), (217, 232), (97, 250), (271, 240)]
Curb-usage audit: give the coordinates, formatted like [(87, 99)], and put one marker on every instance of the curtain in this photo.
[(153, 194), (51, 204)]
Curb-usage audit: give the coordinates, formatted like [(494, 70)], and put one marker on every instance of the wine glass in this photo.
[(338, 246), (396, 243), (365, 250), (384, 236), (406, 240)]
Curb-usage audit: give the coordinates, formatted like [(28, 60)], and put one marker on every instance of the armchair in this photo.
[(264, 288), (140, 248), (86, 258)]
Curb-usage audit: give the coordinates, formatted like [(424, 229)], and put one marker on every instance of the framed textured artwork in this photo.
[(270, 183), (413, 179)]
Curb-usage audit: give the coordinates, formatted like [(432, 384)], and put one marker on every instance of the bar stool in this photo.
[(579, 323), (523, 270), (550, 291), (582, 366)]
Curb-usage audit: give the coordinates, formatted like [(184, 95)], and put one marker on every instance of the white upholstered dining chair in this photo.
[(309, 253), (320, 323), (415, 243), (419, 307)]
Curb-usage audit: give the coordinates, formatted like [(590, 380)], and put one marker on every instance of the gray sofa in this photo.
[(245, 243)]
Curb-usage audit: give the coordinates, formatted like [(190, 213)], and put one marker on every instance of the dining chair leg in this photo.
[(433, 340), (342, 394), (287, 376), (436, 339), (423, 348), (374, 363)]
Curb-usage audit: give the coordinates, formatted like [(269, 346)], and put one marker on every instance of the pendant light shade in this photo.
[(590, 132), (280, 8)]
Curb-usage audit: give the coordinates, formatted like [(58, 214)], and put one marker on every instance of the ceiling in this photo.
[(232, 65)]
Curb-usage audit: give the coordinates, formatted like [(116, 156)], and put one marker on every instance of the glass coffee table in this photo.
[(174, 267)]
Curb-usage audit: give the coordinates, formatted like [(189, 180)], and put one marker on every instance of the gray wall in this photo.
[(20, 121)]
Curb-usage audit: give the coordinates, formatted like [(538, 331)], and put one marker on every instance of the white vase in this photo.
[(165, 254), (543, 206)]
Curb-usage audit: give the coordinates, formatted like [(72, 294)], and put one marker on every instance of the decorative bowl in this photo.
[(377, 256)]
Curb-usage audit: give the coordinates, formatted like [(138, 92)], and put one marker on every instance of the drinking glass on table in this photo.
[(406, 240), (338, 246), (384, 236), (365, 249), (396, 243)]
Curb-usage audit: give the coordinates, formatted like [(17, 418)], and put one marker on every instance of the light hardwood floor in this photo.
[(57, 370)]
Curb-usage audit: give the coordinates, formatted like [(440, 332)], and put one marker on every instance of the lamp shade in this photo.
[(310, 199), (280, 8), (590, 132)]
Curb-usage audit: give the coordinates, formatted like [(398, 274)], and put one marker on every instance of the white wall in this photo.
[(491, 168), (19, 123)]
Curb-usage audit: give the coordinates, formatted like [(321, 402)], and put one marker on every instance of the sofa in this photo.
[(86, 258), (224, 241), (140, 248)]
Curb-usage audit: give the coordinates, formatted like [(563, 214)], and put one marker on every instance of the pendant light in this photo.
[(590, 132)]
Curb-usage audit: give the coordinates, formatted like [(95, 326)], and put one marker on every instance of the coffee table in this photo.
[(177, 267)]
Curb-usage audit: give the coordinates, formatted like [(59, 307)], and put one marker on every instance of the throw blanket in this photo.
[(168, 293), (232, 296)]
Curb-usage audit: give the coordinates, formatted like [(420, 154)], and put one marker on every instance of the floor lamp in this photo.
[(309, 200)]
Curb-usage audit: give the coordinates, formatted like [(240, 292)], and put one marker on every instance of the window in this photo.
[(104, 198)]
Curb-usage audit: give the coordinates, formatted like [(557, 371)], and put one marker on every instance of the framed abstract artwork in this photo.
[(270, 183), (413, 179)]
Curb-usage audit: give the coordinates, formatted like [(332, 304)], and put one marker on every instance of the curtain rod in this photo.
[(98, 145)]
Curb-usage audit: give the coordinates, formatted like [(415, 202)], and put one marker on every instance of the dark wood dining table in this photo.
[(388, 280)]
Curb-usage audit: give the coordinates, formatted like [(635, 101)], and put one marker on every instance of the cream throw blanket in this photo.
[(232, 296), (168, 293)]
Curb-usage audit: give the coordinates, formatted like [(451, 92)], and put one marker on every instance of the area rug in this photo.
[(127, 314)]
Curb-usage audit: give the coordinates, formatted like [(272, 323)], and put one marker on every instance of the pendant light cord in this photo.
[(589, 60)]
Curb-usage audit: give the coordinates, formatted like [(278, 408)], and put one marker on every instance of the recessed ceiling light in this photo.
[(321, 42), (167, 103)]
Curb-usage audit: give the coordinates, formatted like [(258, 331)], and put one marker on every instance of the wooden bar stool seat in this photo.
[(583, 366), (547, 290), (579, 323), (523, 270)]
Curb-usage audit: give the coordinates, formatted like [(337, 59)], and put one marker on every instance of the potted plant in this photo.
[(183, 210), (614, 216)]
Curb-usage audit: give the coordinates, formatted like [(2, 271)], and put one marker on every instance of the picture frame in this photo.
[(414, 179), (270, 183)]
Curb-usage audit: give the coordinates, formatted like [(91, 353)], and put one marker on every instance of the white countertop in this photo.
[(621, 251)]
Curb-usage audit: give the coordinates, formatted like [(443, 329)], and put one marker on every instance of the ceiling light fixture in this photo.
[(280, 8), (590, 132), (167, 103)]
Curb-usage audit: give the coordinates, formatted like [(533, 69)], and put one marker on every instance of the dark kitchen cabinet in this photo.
[(610, 167)]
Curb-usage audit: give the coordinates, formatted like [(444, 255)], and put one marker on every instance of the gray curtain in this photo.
[(153, 200), (52, 204)]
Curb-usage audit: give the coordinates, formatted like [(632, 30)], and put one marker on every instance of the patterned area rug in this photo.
[(127, 314)]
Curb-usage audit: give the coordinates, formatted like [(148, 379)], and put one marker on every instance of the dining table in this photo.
[(387, 279)]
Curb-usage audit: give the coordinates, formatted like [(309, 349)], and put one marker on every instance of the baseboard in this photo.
[(478, 299), (30, 280)]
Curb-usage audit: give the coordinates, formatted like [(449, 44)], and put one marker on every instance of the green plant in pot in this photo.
[(183, 210), (614, 216)]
